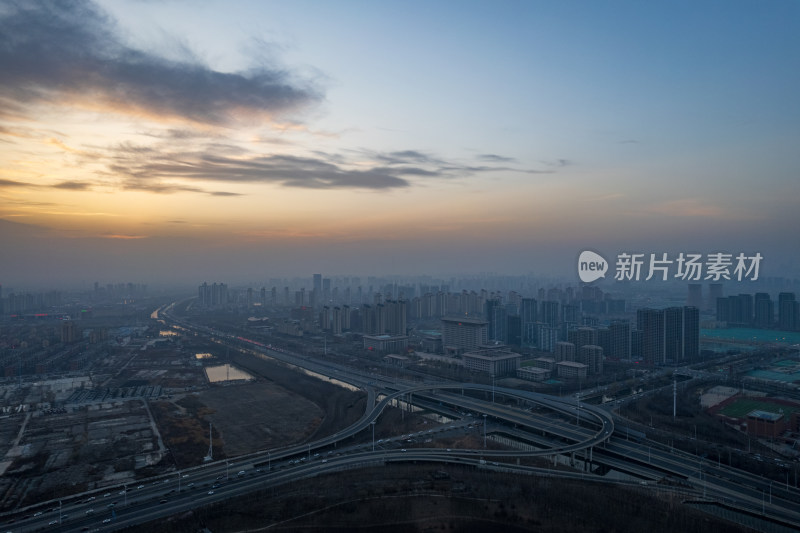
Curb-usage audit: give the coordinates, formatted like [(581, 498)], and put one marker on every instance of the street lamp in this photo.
[(269, 462), (484, 430), (373, 435)]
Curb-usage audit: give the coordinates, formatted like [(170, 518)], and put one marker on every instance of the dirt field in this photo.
[(282, 407), (260, 415)]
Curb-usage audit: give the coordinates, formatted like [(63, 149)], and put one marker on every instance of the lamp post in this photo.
[(484, 430), (373, 435), (269, 462)]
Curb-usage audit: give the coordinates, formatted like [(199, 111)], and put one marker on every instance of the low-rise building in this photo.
[(765, 424), (571, 370), (386, 343), (532, 373), (496, 362)]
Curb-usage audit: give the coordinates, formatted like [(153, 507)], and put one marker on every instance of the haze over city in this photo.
[(189, 141)]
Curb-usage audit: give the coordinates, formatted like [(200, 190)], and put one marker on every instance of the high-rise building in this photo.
[(582, 336), (565, 351), (318, 284), (620, 340), (497, 317), (788, 312), (69, 332), (691, 334), (514, 330), (764, 310), (723, 309), (212, 295), (547, 337), (549, 314), (591, 356), (669, 335), (714, 293), (325, 318), (528, 313), (695, 296), (651, 323), (336, 321)]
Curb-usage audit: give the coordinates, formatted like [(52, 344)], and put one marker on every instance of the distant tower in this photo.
[(695, 297), (714, 292)]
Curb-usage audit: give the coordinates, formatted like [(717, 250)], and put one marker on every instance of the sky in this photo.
[(189, 141)]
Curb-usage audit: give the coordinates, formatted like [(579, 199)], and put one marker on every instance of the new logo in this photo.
[(591, 266)]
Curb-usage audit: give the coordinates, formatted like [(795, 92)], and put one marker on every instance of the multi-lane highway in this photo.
[(545, 426)]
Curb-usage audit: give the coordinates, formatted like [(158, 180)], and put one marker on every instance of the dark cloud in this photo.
[(157, 171), (404, 157), (73, 185), (12, 183), (291, 171), (494, 158), (51, 51)]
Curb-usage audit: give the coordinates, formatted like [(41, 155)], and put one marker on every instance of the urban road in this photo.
[(538, 425)]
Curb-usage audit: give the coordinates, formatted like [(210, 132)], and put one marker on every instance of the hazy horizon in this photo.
[(164, 142)]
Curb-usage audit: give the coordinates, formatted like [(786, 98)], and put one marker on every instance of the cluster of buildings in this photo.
[(661, 336), (760, 311)]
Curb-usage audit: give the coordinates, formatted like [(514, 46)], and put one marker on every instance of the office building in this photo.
[(386, 343), (493, 361), (460, 334)]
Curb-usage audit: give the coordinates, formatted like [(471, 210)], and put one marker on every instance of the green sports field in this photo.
[(741, 407)]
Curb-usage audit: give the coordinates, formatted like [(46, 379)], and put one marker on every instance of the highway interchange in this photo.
[(550, 427)]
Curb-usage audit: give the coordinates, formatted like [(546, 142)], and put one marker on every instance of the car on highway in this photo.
[(107, 521), (210, 492)]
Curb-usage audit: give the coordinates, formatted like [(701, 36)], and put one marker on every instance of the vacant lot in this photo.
[(282, 407), (260, 415)]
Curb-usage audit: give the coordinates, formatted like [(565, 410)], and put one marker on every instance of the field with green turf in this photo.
[(742, 406)]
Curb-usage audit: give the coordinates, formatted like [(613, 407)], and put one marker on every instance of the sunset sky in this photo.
[(238, 141)]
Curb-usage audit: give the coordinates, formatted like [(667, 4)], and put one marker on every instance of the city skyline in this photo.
[(245, 140)]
